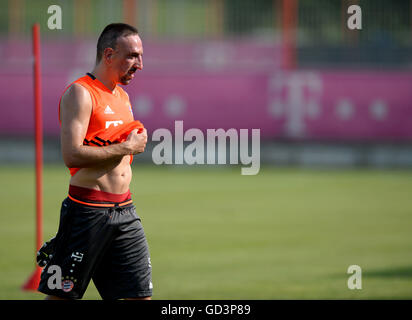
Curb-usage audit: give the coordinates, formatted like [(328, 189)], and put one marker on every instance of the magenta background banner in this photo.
[(218, 86)]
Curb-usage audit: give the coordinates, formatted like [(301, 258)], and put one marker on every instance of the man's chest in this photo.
[(110, 111)]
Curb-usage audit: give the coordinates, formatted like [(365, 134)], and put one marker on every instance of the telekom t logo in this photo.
[(294, 96), (114, 123)]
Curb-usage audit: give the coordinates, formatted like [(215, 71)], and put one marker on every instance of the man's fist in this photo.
[(136, 142)]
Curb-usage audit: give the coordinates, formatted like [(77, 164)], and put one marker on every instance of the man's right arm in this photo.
[(75, 112)]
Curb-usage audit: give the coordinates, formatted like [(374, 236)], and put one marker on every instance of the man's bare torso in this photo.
[(113, 178)]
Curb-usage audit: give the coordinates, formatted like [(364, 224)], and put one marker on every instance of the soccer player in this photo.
[(100, 235)]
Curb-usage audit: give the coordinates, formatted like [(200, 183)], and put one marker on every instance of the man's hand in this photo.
[(136, 142), (46, 252)]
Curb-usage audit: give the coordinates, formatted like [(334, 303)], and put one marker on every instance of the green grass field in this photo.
[(215, 234)]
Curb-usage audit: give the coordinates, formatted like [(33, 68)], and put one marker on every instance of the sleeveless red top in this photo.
[(111, 120)]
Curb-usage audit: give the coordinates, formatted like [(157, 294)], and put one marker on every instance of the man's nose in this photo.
[(139, 63)]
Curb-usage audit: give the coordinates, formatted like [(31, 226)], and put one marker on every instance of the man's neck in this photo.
[(103, 77)]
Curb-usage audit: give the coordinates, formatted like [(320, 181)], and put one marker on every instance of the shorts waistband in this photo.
[(97, 198)]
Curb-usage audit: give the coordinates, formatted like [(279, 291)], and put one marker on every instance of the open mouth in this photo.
[(131, 73)]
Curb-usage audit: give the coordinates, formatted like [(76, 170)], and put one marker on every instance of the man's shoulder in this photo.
[(79, 85), (76, 92)]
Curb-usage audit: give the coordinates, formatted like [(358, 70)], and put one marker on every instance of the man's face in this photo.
[(127, 58)]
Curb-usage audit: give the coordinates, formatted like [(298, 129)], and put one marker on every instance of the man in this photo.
[(100, 236)]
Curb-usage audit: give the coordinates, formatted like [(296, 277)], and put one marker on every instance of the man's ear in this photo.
[(107, 55)]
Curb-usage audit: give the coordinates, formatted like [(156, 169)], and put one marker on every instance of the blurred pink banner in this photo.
[(211, 87)]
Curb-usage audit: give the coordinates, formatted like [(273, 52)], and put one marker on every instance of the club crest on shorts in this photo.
[(67, 285)]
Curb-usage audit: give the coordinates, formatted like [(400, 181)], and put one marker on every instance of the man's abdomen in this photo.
[(113, 178)]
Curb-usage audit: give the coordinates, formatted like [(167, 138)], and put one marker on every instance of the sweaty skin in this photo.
[(102, 168)]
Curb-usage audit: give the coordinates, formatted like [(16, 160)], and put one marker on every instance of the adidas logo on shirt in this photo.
[(108, 110)]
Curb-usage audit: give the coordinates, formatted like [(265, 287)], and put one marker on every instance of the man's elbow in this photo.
[(69, 161), (70, 158)]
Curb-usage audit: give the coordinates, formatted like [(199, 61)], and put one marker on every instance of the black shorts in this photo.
[(106, 244)]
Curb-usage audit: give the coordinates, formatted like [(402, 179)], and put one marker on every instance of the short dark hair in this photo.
[(110, 34)]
